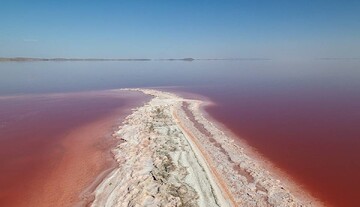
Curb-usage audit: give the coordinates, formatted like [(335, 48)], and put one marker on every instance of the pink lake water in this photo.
[(302, 116), (54, 146)]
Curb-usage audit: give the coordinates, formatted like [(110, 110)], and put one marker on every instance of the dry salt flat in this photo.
[(171, 155)]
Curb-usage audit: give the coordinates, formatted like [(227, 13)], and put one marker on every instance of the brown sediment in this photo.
[(60, 146), (169, 145), (287, 182), (296, 188), (219, 179), (158, 164), (198, 125), (203, 130), (246, 171)]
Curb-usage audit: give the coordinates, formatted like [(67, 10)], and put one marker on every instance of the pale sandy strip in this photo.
[(211, 171)]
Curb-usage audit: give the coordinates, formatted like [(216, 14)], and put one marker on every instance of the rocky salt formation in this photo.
[(170, 155)]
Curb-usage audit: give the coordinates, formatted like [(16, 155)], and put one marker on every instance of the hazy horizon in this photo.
[(177, 29), (277, 78)]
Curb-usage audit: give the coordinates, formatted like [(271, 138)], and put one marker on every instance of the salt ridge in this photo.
[(171, 155)]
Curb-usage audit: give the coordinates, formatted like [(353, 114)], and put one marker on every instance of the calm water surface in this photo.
[(302, 116), (52, 146)]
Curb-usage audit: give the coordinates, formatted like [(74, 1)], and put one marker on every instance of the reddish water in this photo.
[(311, 133), (53, 146), (304, 116)]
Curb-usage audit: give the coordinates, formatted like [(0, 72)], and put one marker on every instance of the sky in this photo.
[(177, 29)]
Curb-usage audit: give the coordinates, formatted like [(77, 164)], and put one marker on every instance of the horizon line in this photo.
[(28, 59)]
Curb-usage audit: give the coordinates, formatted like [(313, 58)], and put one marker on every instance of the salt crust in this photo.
[(165, 159)]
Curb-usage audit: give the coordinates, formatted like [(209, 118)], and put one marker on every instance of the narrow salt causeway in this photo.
[(170, 155)]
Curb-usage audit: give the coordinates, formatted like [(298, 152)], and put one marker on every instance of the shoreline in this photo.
[(296, 188), (68, 147), (86, 196), (165, 124)]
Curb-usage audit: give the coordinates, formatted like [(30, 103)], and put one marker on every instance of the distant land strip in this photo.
[(338, 58), (28, 59)]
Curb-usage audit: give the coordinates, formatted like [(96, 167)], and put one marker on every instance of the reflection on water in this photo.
[(302, 116)]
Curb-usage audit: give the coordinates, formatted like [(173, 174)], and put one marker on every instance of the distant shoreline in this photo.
[(29, 59)]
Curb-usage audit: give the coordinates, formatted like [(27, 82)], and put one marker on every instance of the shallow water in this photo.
[(303, 116), (52, 146)]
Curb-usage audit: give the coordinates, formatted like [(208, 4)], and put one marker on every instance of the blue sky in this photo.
[(170, 29)]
